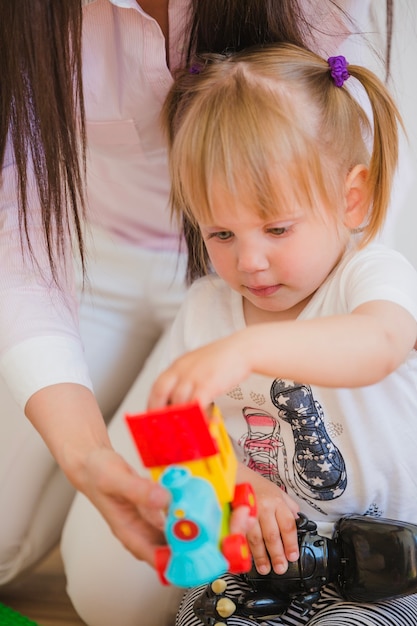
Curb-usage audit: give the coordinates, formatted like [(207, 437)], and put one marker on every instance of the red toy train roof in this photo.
[(171, 435)]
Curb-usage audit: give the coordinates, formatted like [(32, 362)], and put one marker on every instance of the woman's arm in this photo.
[(69, 420)]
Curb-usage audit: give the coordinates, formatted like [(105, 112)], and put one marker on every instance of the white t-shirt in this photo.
[(335, 451)]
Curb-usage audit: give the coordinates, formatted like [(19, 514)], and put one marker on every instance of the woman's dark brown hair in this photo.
[(220, 25), (41, 95), (42, 112)]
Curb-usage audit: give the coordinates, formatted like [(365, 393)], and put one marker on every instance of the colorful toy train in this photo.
[(191, 455)]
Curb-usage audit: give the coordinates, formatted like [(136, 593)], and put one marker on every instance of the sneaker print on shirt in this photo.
[(261, 444), (318, 466)]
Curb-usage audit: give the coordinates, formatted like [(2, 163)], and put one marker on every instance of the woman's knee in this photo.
[(105, 583), (34, 495), (29, 532)]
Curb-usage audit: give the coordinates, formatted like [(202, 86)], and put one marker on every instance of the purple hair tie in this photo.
[(195, 69), (338, 70)]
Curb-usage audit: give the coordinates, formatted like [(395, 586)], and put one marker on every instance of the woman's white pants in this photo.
[(129, 300)]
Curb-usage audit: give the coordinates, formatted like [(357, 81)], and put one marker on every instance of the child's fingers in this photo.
[(164, 390), (241, 520), (273, 542), (274, 545), (258, 549), (287, 548)]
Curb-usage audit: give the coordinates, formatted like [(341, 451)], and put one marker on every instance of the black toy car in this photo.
[(369, 559)]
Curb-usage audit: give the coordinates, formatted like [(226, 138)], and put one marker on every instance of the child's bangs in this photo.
[(277, 168)]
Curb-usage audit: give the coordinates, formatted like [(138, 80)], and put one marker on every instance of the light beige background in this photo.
[(404, 86)]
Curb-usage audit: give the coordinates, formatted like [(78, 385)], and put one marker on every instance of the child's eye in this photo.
[(279, 230), (222, 235)]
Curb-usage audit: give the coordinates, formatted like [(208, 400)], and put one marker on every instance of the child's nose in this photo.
[(251, 259)]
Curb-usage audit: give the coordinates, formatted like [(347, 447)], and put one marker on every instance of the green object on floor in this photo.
[(10, 617)]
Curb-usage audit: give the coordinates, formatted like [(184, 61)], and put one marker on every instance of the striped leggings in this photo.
[(329, 610)]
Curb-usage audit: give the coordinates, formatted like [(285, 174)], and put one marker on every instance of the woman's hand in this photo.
[(273, 537), (133, 506), (69, 420)]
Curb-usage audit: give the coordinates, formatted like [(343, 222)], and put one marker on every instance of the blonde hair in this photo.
[(269, 124)]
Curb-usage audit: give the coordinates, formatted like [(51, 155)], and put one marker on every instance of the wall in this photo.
[(370, 22), (404, 73)]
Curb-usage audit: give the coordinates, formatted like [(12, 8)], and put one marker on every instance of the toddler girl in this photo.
[(303, 329)]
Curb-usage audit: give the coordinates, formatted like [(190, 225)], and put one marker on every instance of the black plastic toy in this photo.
[(369, 559)]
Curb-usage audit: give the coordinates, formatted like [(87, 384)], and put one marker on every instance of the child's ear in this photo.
[(356, 197)]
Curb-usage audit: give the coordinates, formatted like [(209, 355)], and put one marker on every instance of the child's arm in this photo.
[(350, 350), (274, 532)]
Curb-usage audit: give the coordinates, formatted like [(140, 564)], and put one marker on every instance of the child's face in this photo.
[(275, 264)]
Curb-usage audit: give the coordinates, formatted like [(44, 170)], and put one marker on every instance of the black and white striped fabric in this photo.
[(329, 610)]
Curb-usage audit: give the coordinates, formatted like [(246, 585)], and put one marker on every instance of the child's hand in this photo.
[(202, 374), (273, 537)]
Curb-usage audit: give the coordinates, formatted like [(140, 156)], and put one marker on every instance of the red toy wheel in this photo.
[(245, 496), (162, 556), (235, 549)]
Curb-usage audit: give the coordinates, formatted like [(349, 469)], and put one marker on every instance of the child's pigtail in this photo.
[(384, 156)]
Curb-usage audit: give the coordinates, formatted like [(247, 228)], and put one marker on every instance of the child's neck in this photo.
[(255, 315)]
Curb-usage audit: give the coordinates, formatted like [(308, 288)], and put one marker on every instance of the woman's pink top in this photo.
[(126, 79)]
